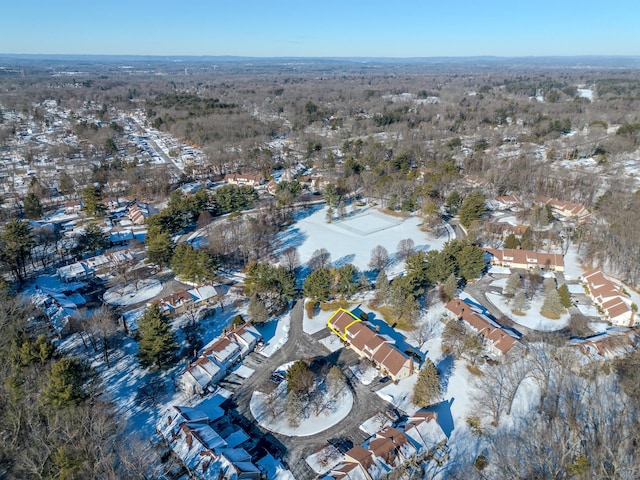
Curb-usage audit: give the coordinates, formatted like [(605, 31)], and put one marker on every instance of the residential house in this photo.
[(137, 213), (204, 452), (371, 345), (111, 203), (93, 266), (497, 341), (73, 206), (177, 302), (505, 202), (615, 305), (271, 187), (217, 358), (614, 342), (244, 179), (526, 259), (417, 439), (565, 209), (423, 430), (502, 230)]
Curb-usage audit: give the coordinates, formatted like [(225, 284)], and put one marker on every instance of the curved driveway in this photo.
[(302, 345)]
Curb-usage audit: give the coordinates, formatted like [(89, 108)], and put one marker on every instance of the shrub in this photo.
[(310, 308), (481, 462)]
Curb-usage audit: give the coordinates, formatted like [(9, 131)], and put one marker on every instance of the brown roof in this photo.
[(565, 208), (342, 320), (527, 257), (497, 336), (361, 455), (392, 359), (383, 448), (175, 298), (218, 346), (394, 434)]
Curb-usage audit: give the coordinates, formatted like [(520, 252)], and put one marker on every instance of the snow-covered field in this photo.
[(351, 240)]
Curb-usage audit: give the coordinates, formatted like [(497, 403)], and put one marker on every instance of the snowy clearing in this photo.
[(532, 318), (317, 323), (351, 240), (334, 408)]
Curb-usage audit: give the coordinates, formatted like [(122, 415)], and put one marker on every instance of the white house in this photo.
[(217, 358), (204, 452), (615, 306)]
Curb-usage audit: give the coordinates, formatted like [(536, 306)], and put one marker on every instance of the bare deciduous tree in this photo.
[(405, 248), (321, 258), (379, 258), (290, 258)]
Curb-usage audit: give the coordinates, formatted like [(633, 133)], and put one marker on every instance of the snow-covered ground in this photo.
[(573, 264), (335, 408), (375, 424), (496, 270), (365, 377), (331, 343), (317, 323), (275, 334), (138, 291), (399, 394), (532, 318), (351, 240)]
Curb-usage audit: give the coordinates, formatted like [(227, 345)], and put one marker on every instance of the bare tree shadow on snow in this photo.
[(292, 237), (445, 369), (344, 260)]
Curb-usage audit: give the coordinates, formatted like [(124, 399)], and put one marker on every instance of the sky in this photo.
[(328, 28)]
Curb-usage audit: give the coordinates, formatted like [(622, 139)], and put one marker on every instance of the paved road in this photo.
[(302, 345)]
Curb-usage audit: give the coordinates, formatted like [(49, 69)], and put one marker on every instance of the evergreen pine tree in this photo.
[(511, 241), (157, 343), (565, 296), (32, 206), (553, 303), (427, 387), (519, 302), (65, 384), (450, 286), (513, 284)]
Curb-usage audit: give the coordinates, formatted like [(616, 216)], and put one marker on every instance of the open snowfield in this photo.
[(532, 318), (351, 240), (138, 291)]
